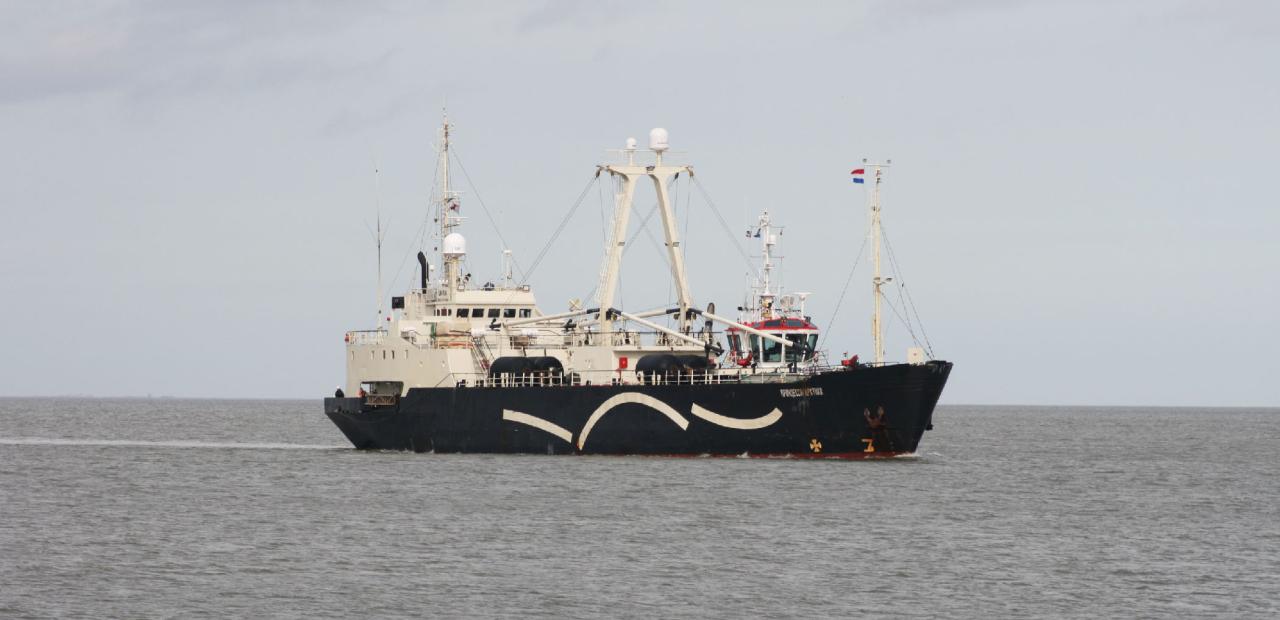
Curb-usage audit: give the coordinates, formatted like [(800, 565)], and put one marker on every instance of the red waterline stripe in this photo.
[(844, 456)]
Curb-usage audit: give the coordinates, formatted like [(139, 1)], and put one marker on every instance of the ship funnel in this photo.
[(422, 262), (658, 140)]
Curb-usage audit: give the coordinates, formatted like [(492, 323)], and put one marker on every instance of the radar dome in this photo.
[(658, 139), (455, 245)]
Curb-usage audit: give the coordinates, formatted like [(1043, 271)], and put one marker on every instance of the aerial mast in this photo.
[(452, 245), (877, 328), (769, 240), (378, 235)]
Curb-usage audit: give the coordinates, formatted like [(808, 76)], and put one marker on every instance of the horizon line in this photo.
[(296, 398)]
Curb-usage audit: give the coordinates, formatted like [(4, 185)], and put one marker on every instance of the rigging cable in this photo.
[(684, 236), (902, 288), (857, 259), (644, 227), (559, 229), (555, 235), (492, 222), (732, 237), (421, 235), (905, 323)]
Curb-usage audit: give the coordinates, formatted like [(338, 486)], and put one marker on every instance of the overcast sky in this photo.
[(1083, 197)]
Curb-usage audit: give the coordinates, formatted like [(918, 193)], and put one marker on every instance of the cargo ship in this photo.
[(457, 367)]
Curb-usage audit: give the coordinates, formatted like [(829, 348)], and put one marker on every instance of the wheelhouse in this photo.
[(748, 348)]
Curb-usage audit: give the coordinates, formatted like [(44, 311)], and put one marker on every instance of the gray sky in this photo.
[(1082, 199)]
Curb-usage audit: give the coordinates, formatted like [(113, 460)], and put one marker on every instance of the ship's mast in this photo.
[(767, 241), (378, 236), (449, 257), (627, 176), (877, 331)]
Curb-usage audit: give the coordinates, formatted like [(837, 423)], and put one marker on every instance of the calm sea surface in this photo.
[(155, 508)]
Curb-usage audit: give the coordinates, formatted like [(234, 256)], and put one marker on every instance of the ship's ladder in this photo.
[(480, 354)]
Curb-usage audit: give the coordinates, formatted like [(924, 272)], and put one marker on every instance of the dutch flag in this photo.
[(857, 175)]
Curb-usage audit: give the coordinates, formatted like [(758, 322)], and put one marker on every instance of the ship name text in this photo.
[(801, 392)]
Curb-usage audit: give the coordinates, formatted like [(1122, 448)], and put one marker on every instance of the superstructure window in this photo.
[(801, 346), (526, 313), (509, 313), (477, 313), (493, 313), (772, 351), (464, 313)]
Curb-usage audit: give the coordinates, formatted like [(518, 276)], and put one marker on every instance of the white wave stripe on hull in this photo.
[(635, 398), (538, 423), (748, 424)]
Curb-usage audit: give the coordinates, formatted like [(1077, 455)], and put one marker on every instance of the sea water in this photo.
[(217, 508)]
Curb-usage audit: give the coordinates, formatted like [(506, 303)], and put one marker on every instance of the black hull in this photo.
[(831, 414)]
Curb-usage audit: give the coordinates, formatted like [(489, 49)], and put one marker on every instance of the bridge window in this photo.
[(493, 313), (477, 313), (463, 313), (509, 313), (772, 351), (526, 313)]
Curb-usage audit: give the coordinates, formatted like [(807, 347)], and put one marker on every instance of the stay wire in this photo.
[(902, 286), (732, 237), (489, 216), (421, 237), (644, 227), (905, 323), (559, 229), (555, 235), (832, 321)]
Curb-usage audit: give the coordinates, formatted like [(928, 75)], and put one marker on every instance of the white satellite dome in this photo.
[(658, 139), (455, 245)]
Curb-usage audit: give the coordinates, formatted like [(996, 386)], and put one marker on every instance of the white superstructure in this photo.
[(449, 332)]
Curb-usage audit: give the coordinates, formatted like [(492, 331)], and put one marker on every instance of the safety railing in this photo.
[(367, 336), (628, 377)]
